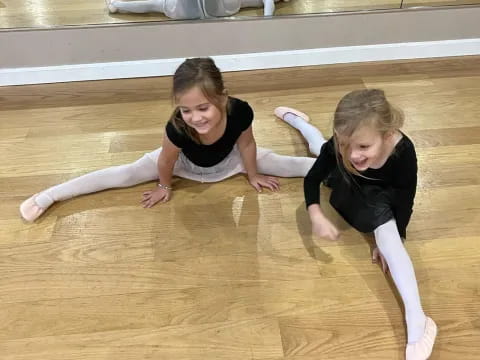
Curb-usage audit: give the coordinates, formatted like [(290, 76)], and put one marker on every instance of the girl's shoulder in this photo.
[(176, 136), (238, 107), (404, 158), (329, 146), (404, 147), (240, 113)]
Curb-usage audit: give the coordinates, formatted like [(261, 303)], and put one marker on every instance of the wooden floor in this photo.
[(47, 13), (220, 272)]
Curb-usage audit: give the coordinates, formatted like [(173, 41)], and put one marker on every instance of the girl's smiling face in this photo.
[(198, 112), (365, 148)]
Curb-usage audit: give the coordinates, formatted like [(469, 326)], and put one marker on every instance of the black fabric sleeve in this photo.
[(322, 167), (243, 114), (174, 136), (405, 187)]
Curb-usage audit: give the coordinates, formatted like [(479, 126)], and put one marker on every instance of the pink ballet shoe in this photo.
[(111, 8), (422, 349), (29, 210), (282, 110)]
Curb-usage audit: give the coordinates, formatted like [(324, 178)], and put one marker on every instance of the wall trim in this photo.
[(238, 62)]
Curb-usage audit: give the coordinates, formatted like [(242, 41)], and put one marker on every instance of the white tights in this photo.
[(391, 246), (145, 169), (189, 9), (312, 135), (140, 6), (138, 172)]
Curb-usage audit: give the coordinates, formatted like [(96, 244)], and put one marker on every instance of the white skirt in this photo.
[(219, 8), (197, 9), (228, 167)]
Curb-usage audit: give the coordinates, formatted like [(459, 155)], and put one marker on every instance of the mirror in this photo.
[(55, 13), (417, 3)]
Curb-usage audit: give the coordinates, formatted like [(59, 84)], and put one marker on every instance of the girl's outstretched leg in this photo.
[(421, 329), (300, 121), (140, 171), (139, 7), (269, 163), (268, 5)]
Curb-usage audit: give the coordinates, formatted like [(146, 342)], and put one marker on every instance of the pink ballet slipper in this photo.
[(282, 110), (422, 349), (29, 210)]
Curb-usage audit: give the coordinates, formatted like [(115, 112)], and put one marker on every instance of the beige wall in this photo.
[(77, 45)]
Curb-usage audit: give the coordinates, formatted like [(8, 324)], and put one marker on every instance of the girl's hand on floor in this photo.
[(260, 181), (150, 198)]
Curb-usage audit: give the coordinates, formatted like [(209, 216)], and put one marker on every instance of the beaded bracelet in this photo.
[(165, 187)]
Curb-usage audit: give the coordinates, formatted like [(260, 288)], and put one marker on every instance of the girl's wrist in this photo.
[(164, 187), (315, 211)]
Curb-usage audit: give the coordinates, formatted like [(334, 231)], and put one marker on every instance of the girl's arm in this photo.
[(325, 163), (248, 151), (322, 167), (166, 162), (405, 186)]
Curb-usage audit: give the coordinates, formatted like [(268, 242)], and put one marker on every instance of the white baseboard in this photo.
[(237, 62)]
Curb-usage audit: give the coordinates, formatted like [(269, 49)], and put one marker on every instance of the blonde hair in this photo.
[(201, 72), (359, 108)]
